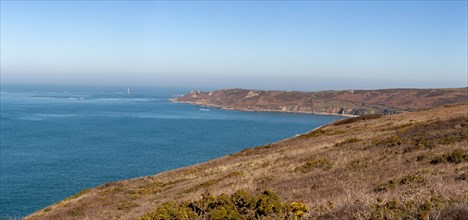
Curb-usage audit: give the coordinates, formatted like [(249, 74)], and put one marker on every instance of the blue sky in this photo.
[(295, 45)]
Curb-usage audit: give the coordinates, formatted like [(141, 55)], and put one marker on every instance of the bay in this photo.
[(56, 141)]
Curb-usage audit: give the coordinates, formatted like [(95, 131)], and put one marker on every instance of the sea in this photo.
[(56, 141)]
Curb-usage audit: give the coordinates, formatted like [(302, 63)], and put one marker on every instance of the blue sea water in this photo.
[(58, 141)]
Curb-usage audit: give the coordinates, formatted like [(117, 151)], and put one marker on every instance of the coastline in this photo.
[(226, 170), (174, 100)]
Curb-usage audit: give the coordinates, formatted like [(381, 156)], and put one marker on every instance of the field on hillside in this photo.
[(347, 102), (411, 165)]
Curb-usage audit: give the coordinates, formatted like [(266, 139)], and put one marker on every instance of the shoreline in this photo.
[(174, 100), (30, 215), (232, 165), (202, 162)]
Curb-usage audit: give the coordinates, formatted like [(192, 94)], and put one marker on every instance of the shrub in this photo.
[(425, 210), (348, 141), (240, 205), (314, 133), (456, 156), (359, 163), (78, 211), (311, 164), (463, 176), (150, 188), (356, 119), (393, 141), (252, 151), (244, 202), (127, 206), (454, 211), (427, 135), (390, 184), (268, 204), (299, 209), (393, 210)]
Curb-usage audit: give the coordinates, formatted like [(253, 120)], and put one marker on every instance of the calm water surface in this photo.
[(56, 142)]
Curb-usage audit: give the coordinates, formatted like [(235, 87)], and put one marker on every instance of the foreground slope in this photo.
[(350, 102), (407, 165)]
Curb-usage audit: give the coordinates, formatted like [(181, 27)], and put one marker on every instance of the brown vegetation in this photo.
[(349, 102), (405, 166), (240, 205)]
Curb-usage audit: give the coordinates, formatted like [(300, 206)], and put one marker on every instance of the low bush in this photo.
[(348, 141), (360, 163), (392, 141), (240, 205), (150, 188), (356, 119), (390, 184), (456, 156), (314, 133), (428, 135), (311, 164), (397, 210), (127, 206), (252, 151), (319, 132), (463, 176)]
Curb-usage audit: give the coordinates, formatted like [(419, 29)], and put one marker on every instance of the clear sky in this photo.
[(297, 45)]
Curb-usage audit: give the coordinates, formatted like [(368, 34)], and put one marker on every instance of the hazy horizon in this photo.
[(300, 45)]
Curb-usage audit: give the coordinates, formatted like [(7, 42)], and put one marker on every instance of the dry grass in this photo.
[(351, 102), (412, 165)]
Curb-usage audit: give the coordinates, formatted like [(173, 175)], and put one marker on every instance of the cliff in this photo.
[(404, 166), (349, 102)]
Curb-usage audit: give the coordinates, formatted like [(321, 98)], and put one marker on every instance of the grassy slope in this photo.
[(394, 165), (353, 102)]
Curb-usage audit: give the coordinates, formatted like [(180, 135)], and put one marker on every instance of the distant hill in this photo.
[(404, 166), (349, 102)]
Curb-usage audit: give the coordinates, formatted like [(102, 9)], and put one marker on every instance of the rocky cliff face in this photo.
[(348, 102)]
